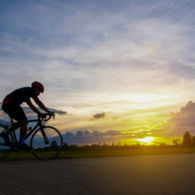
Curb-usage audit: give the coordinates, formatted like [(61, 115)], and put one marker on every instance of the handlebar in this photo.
[(46, 117)]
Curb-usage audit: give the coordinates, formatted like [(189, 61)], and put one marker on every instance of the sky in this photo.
[(122, 66)]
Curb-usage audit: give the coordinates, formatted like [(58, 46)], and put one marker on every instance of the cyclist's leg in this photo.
[(20, 116), (8, 108), (23, 129), (17, 113)]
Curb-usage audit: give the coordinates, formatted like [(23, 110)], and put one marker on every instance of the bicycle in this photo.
[(46, 141)]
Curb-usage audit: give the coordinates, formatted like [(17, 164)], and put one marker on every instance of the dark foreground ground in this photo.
[(156, 174)]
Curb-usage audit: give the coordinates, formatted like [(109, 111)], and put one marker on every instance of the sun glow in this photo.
[(144, 98), (146, 140)]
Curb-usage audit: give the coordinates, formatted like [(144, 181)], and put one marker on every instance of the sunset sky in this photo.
[(119, 68)]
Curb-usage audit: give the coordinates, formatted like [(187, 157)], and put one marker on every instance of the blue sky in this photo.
[(129, 59)]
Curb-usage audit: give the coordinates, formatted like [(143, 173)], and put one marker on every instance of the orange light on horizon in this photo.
[(146, 140)]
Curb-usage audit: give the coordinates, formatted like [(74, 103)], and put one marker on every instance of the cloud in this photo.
[(94, 137), (61, 112), (100, 115), (182, 121), (82, 137)]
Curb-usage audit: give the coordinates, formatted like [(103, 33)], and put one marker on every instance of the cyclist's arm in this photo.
[(33, 107), (40, 104)]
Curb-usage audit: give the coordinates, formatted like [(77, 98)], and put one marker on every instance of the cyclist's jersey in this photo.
[(20, 95)]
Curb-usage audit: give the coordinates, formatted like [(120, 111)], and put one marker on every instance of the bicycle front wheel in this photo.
[(46, 143)]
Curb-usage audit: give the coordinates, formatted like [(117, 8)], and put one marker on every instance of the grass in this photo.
[(125, 152), (95, 152)]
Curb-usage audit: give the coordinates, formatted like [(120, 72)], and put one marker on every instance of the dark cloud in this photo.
[(94, 137), (180, 70), (100, 115), (182, 121), (58, 111), (28, 110)]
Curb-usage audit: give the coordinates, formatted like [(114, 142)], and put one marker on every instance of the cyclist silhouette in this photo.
[(11, 105)]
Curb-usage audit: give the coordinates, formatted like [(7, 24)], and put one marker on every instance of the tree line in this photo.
[(187, 140)]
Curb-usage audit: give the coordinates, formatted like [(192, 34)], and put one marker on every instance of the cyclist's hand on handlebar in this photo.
[(47, 116), (50, 113)]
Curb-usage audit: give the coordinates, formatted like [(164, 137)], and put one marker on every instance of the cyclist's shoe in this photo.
[(5, 137), (24, 147)]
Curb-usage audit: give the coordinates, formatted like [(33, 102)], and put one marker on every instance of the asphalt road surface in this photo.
[(158, 174)]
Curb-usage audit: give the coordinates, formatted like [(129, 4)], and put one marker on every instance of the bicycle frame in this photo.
[(14, 126)]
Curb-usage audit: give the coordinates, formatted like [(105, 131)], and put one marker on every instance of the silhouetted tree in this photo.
[(65, 146), (187, 139), (193, 140), (53, 144), (176, 141)]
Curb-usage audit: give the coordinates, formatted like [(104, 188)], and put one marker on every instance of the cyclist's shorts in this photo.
[(14, 111)]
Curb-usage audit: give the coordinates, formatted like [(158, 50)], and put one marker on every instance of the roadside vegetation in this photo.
[(186, 145)]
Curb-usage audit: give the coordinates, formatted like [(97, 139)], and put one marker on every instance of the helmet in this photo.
[(38, 85)]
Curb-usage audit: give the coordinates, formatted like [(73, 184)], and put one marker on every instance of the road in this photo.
[(136, 175)]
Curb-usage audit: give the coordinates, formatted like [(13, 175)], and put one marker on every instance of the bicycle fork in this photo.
[(44, 136)]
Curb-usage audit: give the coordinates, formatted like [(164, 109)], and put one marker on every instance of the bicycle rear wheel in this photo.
[(47, 143)]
